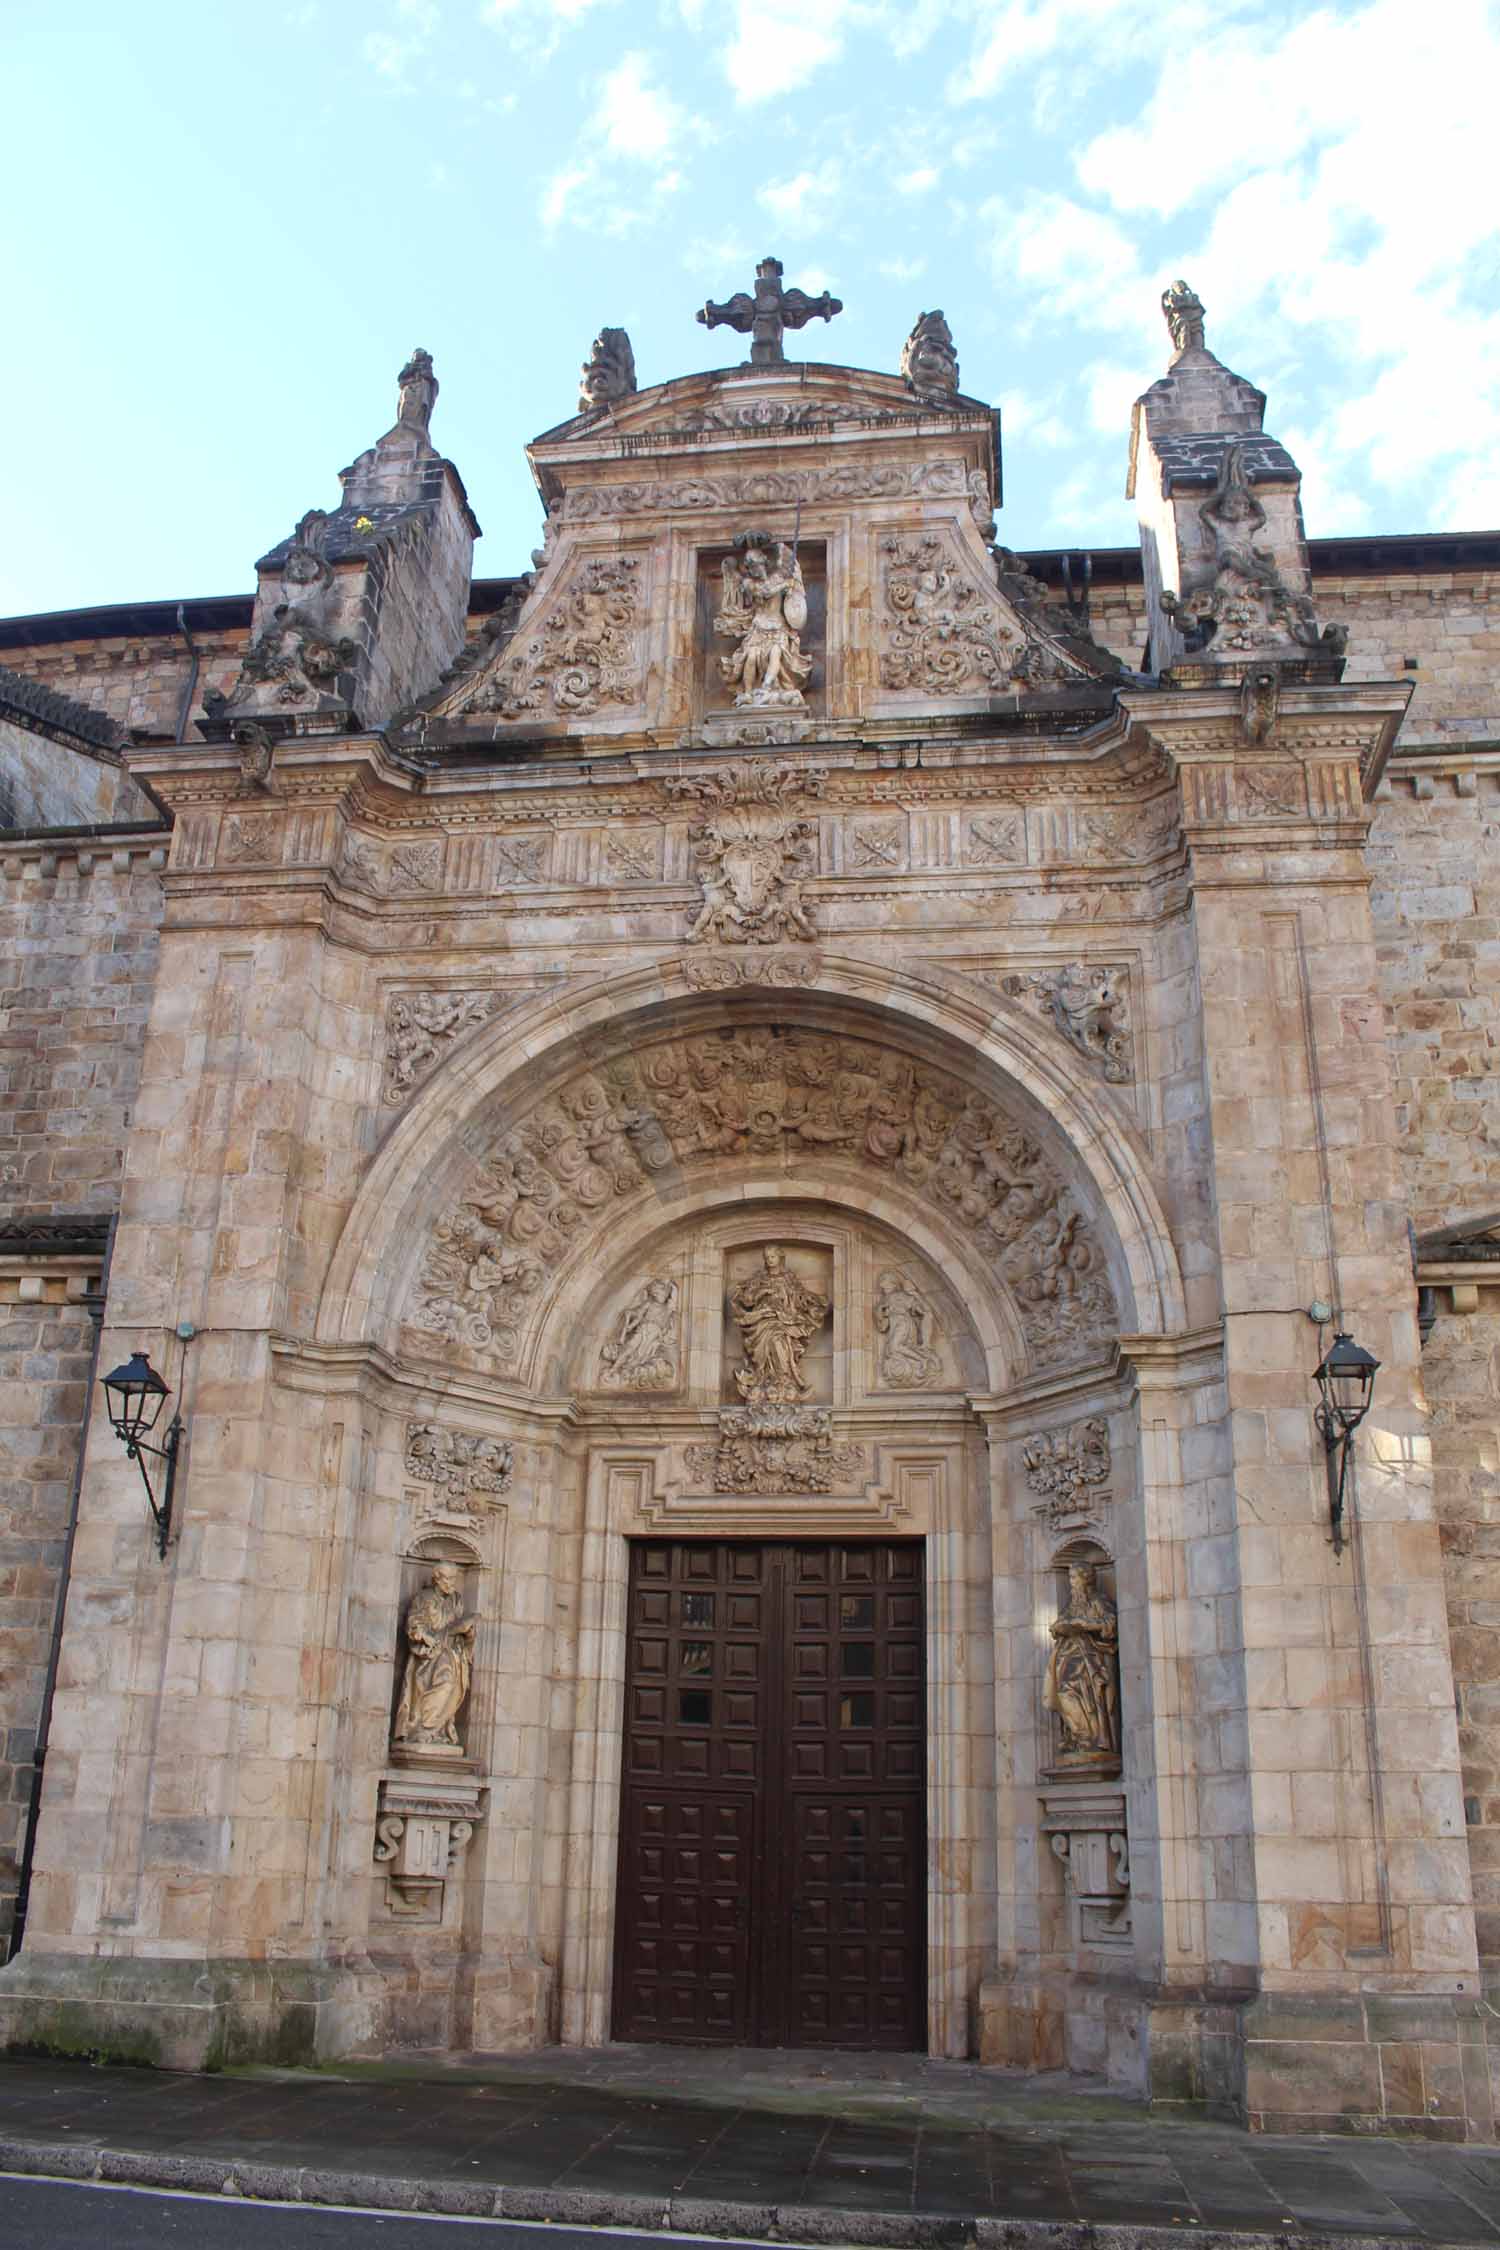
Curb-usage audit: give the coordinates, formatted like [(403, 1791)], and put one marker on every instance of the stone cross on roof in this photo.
[(765, 315)]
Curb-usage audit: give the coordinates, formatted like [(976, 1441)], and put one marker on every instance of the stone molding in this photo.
[(1085, 1824)]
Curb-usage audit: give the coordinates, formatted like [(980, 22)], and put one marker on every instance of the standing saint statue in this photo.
[(763, 606), (439, 1666), (1083, 1673), (777, 1316)]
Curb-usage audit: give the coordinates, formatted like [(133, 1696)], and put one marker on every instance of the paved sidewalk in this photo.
[(797, 2148)]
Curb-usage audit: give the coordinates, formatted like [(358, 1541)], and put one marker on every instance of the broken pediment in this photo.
[(780, 552)]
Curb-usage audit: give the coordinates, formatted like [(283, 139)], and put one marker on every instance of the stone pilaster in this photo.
[(1333, 1832)]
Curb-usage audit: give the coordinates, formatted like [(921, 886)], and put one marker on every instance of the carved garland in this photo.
[(742, 1095)]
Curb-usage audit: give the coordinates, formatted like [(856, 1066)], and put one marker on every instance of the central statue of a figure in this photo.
[(777, 1316), (763, 606)]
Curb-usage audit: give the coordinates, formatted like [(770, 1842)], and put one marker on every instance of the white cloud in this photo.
[(779, 44), (1067, 262), (561, 192), (803, 201), (918, 182), (634, 118), (535, 26), (389, 52), (902, 269)]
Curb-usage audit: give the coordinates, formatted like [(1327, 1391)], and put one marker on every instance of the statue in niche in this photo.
[(777, 1316), (763, 606), (609, 372), (1083, 1673), (439, 1666), (642, 1353), (905, 1322), (928, 360)]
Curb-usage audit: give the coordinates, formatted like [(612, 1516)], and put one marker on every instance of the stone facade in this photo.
[(777, 868)]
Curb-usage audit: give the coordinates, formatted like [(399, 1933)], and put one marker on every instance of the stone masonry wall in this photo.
[(45, 1350), (77, 960)]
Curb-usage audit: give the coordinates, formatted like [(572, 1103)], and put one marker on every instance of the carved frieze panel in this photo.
[(250, 839), (460, 1463), (995, 839), (722, 972), (1271, 792), (875, 846), (1088, 1002), (521, 859), (420, 1027), (755, 847), (631, 856), (745, 1094), (581, 654), (738, 491), (769, 1448), (1070, 1468), (941, 632), (392, 870)]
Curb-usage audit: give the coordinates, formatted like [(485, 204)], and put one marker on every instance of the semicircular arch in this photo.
[(523, 1057)]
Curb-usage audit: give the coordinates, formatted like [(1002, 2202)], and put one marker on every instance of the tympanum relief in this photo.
[(642, 1354), (756, 1094)]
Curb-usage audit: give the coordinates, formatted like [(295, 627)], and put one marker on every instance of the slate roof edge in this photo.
[(1366, 556)]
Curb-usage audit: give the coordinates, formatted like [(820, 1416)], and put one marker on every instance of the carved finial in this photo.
[(765, 315), (928, 361), (417, 388), (609, 372), (1183, 309)]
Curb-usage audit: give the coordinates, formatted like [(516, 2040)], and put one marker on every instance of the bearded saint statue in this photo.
[(1083, 1676), (439, 1666), (777, 1316)]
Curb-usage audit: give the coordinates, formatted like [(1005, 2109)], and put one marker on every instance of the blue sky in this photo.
[(227, 227)]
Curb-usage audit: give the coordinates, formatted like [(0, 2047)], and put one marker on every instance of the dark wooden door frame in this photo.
[(771, 1883)]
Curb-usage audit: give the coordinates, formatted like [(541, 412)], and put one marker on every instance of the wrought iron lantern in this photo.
[(1346, 1380), (136, 1394)]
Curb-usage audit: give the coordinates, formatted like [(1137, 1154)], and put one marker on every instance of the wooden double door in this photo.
[(772, 1887)]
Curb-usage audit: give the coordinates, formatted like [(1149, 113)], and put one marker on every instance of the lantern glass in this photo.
[(136, 1396), (1347, 1380)]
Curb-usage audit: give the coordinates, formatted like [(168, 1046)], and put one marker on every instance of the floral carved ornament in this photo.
[(755, 1095)]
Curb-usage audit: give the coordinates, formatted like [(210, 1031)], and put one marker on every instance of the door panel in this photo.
[(772, 1853)]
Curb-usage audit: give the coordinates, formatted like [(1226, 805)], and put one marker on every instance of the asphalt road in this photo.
[(70, 2215)]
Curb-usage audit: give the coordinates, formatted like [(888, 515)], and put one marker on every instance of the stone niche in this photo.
[(716, 696), (432, 1795)]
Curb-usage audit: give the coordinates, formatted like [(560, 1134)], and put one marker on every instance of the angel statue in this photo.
[(764, 607)]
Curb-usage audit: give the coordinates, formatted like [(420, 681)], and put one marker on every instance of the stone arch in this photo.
[(530, 1050)]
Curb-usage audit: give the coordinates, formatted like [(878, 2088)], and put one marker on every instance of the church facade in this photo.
[(740, 1156)]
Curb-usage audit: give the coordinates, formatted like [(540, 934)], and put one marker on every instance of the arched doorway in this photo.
[(549, 1255)]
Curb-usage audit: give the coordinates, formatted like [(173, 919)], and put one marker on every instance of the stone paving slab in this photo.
[(958, 2159)]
